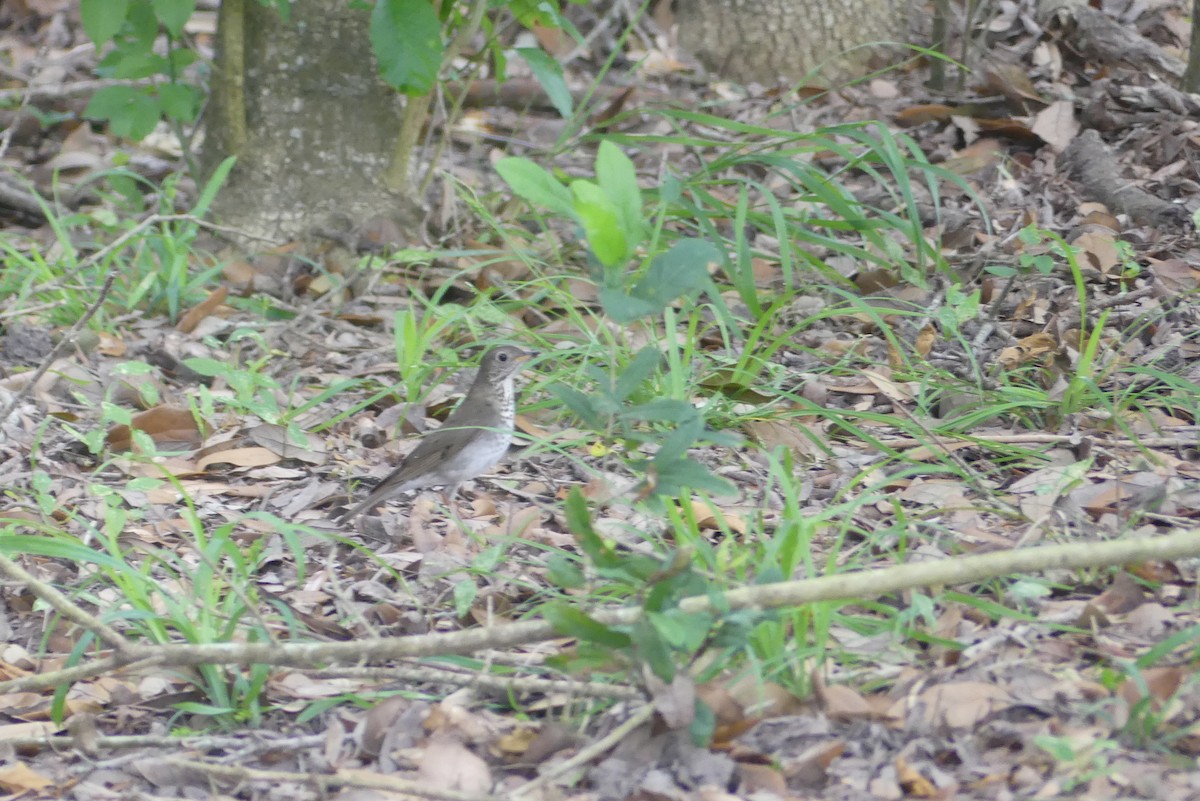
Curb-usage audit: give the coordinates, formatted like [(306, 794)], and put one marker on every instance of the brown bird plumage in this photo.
[(473, 438)]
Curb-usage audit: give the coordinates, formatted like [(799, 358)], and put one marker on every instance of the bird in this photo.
[(473, 439)]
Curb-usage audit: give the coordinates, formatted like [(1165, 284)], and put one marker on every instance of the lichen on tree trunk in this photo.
[(319, 124)]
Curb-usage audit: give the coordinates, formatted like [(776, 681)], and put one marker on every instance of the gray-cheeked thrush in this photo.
[(473, 439)]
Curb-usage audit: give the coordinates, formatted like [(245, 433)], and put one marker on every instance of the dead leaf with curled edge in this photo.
[(239, 457), (164, 425), (1099, 248), (189, 321), (791, 434), (1040, 347)]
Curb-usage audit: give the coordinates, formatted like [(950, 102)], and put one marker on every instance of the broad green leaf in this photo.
[(579, 522), (703, 724), (662, 410), (564, 572), (682, 269), (676, 476), (406, 38), (174, 14), (549, 74), (618, 178), (464, 596), (601, 223), (683, 437), (207, 367), (579, 403), (653, 649), (138, 119), (179, 101), (637, 372), (684, 631), (102, 19), (109, 102), (624, 308), (572, 621), (535, 184)]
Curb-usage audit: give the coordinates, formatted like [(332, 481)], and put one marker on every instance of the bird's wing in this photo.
[(433, 449)]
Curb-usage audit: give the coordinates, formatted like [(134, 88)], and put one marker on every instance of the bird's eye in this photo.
[(503, 357)]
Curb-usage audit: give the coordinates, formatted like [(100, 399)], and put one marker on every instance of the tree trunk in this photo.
[(769, 40), (301, 106)]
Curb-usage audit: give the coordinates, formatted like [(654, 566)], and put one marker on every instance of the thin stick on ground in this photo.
[(841, 586)]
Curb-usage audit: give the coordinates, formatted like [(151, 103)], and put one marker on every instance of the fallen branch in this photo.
[(842, 586)]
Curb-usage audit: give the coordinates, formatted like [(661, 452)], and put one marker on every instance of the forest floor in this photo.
[(943, 325)]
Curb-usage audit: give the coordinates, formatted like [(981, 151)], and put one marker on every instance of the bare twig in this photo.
[(63, 91), (588, 689), (345, 777), (587, 754), (63, 605), (58, 349), (861, 584)]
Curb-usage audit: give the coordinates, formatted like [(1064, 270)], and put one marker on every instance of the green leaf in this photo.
[(572, 621), (179, 101), (535, 184), (681, 270), (464, 596), (662, 410), (579, 522), (174, 14), (549, 74), (207, 367), (624, 308), (637, 372), (102, 19), (653, 649), (406, 38), (676, 476), (683, 631), (618, 178), (564, 572), (138, 119), (208, 195), (704, 723), (582, 405), (683, 437), (601, 222), (109, 102)]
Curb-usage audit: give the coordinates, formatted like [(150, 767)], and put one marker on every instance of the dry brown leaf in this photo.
[(792, 435), (188, 322), (1100, 250), (925, 339), (163, 424), (711, 518), (919, 115), (762, 778), (1056, 124), (20, 778), (893, 390), (912, 782), (1040, 347), (1174, 276), (239, 457), (1122, 596), (449, 765), (844, 703), (979, 155), (1158, 684), (963, 705)]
